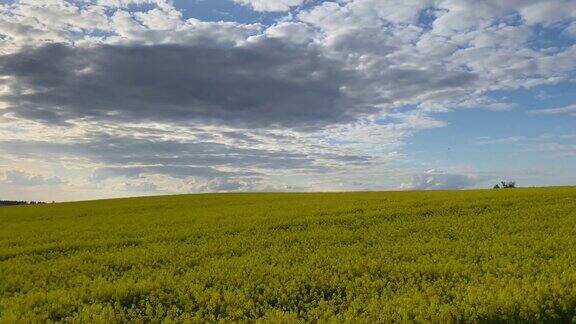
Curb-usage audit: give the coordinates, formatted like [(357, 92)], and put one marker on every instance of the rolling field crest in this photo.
[(449, 256)]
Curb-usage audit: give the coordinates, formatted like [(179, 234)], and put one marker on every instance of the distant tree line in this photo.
[(505, 185), (17, 202)]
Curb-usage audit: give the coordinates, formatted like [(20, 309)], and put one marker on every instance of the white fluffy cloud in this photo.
[(270, 5), (433, 179)]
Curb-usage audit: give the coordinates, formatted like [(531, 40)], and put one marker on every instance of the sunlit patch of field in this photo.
[(487, 255)]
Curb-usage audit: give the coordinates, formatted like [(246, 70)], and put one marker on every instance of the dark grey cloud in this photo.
[(174, 171), (133, 157), (241, 136), (264, 83)]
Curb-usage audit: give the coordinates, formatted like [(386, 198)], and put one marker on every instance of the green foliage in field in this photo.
[(358, 257)]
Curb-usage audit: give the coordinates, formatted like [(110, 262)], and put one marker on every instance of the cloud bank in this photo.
[(132, 94), (265, 83)]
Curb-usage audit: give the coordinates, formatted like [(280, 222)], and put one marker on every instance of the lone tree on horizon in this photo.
[(505, 185)]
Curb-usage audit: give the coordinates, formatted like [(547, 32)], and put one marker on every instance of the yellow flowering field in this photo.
[(438, 256)]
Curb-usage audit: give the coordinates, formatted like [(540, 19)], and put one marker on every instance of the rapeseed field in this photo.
[(441, 256)]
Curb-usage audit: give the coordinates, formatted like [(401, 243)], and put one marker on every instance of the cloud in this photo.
[(219, 185), (31, 22), (266, 83), (570, 110), (347, 60), (134, 153), (441, 55), (571, 29), (21, 178), (89, 22), (270, 5), (552, 147), (133, 91), (295, 32), (127, 3), (548, 12), (175, 171), (141, 187), (438, 180)]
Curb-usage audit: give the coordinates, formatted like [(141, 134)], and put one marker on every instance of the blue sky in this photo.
[(223, 10), (112, 98), (467, 131), (226, 10)]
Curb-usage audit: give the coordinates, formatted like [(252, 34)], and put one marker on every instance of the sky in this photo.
[(115, 98)]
